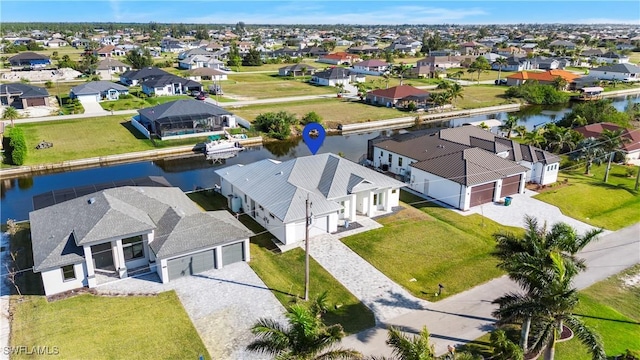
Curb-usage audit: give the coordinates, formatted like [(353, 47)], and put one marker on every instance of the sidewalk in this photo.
[(466, 316)]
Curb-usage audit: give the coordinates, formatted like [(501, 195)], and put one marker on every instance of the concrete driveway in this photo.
[(525, 204), (223, 304), (92, 107)]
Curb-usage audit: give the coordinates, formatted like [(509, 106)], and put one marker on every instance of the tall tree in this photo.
[(500, 62), (455, 92), (479, 65), (560, 139), (591, 152), (139, 60), (10, 113), (509, 124), (410, 348), (401, 70)]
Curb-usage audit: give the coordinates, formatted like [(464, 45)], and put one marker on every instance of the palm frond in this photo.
[(340, 354), (587, 336)]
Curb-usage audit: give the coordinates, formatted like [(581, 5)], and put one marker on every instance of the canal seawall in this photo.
[(112, 159), (425, 118)]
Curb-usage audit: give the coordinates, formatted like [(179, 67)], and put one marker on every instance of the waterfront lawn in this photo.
[(613, 205), (263, 86), (333, 111), (425, 245), (283, 273), (82, 138), (477, 96), (27, 281), (92, 327)]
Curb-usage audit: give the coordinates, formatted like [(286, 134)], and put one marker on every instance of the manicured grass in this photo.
[(611, 205), (431, 245), (478, 96), (634, 57), (264, 86), (485, 75), (138, 103), (82, 138), (94, 327), (283, 273), (333, 111)]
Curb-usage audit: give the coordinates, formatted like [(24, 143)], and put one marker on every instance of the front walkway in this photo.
[(525, 204), (383, 296), (223, 304)]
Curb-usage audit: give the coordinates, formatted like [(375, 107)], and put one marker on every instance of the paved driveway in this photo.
[(222, 303), (92, 107), (524, 204)]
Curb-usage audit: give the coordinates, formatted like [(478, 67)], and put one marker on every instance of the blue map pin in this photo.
[(313, 142)]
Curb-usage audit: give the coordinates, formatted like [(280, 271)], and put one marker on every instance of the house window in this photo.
[(245, 198), (399, 161), (68, 273), (260, 207), (390, 158), (132, 248), (394, 191)]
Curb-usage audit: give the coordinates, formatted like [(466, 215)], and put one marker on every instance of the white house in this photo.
[(109, 68), (274, 193), (336, 75), (112, 233), (370, 67), (95, 91), (464, 166), (169, 85), (200, 61), (620, 72)]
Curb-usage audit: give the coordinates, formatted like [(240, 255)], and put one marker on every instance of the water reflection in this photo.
[(284, 147)]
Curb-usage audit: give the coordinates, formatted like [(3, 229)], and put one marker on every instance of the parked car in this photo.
[(501, 82), (195, 93), (202, 96)]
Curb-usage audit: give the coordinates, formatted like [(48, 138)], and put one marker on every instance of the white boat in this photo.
[(222, 146)]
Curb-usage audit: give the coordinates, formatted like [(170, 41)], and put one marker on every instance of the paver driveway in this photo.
[(223, 304)]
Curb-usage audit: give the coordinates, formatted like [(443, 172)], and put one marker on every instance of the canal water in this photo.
[(193, 172)]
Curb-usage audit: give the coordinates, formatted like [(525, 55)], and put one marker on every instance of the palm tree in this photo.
[(305, 337), (560, 139), (534, 138), (401, 70), (444, 85), (410, 348), (500, 62), (591, 151), (521, 130), (559, 83), (509, 125), (457, 75), (612, 142), (455, 91), (340, 87), (503, 348), (532, 261), (10, 113)]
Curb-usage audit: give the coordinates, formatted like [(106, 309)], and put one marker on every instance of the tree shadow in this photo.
[(608, 319), (399, 300)]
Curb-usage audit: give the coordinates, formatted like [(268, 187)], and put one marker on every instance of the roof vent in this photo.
[(91, 200), (440, 146), (279, 173)]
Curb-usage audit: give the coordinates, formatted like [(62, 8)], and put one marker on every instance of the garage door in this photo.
[(510, 185), (191, 264), (232, 253), (482, 194), (36, 102)]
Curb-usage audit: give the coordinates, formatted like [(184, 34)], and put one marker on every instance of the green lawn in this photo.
[(264, 86), (485, 75), (95, 327), (431, 245), (82, 138), (611, 205), (135, 103), (634, 57), (333, 111), (477, 96), (283, 273), (609, 307)]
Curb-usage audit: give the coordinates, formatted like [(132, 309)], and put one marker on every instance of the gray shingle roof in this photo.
[(619, 68), (59, 231), (333, 73), (281, 188), (144, 73), (157, 81), (178, 108), (97, 87), (24, 90), (108, 63)]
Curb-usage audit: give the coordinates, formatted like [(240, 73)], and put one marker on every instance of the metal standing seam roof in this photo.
[(97, 87), (619, 68), (281, 188), (59, 231)]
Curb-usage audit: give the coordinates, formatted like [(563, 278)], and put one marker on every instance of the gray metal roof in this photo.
[(333, 73), (97, 87), (145, 73), (59, 231), (182, 108), (422, 148), (281, 188)]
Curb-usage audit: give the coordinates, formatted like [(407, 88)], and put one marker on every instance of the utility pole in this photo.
[(307, 219), (637, 179), (606, 173)]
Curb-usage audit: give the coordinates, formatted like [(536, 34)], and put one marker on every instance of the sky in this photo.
[(365, 12)]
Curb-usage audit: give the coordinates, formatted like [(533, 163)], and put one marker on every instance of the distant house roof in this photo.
[(96, 87), (619, 68), (549, 75), (182, 109), (333, 73), (59, 231), (282, 187), (371, 63), (159, 81), (205, 71), (25, 91), (298, 67), (28, 55), (632, 137), (107, 49), (398, 92), (108, 63), (144, 73)]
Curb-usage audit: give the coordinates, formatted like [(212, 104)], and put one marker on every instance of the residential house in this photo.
[(197, 51), (297, 70), (529, 47), (336, 75), (135, 77), (562, 44), (112, 233), (22, 96), (286, 51), (171, 45), (109, 51), (273, 193), (339, 58), (313, 51), (56, 43), (631, 138), (98, 91), (200, 61), (465, 166), (621, 72), (169, 85), (206, 73), (546, 63), (364, 50), (370, 67), (514, 63), (29, 59), (80, 43), (391, 96), (613, 58), (584, 82), (473, 48), (436, 66), (182, 119), (109, 67), (545, 78)]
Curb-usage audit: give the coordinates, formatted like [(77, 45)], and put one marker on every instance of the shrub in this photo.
[(17, 149), (125, 96), (276, 125), (311, 117), (535, 93), (48, 84)]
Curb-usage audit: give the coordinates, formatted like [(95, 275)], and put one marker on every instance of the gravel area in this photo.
[(383, 296), (223, 304)]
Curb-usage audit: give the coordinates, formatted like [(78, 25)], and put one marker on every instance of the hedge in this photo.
[(17, 146)]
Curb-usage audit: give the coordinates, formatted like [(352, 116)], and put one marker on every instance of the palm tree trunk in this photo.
[(550, 350), (524, 335)]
